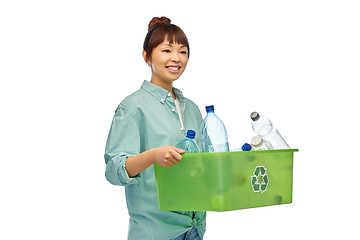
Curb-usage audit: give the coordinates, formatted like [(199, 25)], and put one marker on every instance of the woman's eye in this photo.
[(183, 52), (166, 50)]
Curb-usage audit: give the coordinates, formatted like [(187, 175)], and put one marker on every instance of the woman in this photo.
[(146, 126)]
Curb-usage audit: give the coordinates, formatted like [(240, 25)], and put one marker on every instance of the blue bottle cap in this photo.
[(246, 147), (209, 108), (190, 134)]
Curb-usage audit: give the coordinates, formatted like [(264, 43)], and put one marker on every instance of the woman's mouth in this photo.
[(173, 69)]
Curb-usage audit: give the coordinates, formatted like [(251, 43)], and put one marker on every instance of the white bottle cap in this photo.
[(257, 141)]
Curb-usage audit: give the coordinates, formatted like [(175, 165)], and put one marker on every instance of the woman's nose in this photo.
[(175, 57)]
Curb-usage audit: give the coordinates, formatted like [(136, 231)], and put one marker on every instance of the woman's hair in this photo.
[(161, 29)]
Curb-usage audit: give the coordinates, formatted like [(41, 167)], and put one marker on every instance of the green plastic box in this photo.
[(226, 181)]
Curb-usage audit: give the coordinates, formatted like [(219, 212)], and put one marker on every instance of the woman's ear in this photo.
[(145, 58)]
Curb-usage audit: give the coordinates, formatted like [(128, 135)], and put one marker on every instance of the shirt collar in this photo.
[(158, 92)]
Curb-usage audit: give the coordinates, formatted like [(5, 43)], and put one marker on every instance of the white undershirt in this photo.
[(177, 104)]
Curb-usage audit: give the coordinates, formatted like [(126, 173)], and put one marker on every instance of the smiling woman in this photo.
[(166, 51), (160, 29), (168, 61), (146, 127)]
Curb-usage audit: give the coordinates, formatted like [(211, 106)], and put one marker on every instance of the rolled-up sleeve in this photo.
[(123, 142)]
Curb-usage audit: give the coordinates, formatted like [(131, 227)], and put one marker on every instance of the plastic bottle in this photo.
[(263, 127), (245, 147), (188, 144), (259, 144), (213, 133)]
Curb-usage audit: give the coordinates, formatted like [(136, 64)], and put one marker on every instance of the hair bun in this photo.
[(156, 20)]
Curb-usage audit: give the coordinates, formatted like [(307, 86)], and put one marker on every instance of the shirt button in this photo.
[(169, 94), (173, 109), (162, 100)]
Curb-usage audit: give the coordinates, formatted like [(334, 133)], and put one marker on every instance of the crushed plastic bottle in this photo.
[(263, 127), (188, 144), (213, 133)]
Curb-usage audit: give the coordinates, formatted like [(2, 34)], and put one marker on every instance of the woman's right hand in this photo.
[(166, 156)]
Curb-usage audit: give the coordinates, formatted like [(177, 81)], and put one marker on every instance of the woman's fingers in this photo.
[(167, 156), (174, 156)]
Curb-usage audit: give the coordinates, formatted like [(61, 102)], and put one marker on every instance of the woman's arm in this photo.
[(164, 156)]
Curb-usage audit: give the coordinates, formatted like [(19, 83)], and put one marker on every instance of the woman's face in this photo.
[(168, 62)]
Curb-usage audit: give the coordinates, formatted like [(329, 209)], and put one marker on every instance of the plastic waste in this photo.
[(188, 144), (213, 133), (260, 144), (263, 127), (245, 147)]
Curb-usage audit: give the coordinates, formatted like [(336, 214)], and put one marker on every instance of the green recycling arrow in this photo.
[(260, 180)]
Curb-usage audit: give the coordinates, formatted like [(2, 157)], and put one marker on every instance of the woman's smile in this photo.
[(173, 69)]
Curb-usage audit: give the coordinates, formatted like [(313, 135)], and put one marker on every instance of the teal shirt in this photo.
[(144, 120)]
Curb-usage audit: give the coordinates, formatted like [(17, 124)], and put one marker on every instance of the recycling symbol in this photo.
[(260, 180)]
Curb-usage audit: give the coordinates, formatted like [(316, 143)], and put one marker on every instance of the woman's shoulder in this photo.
[(189, 101), (133, 98), (131, 102)]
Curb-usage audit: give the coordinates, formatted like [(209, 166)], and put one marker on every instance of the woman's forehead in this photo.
[(167, 43)]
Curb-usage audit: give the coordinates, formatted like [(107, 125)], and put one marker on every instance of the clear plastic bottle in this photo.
[(245, 147), (259, 144), (188, 144), (263, 127), (213, 133)]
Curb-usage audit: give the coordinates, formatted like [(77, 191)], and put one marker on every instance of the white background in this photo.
[(66, 65)]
